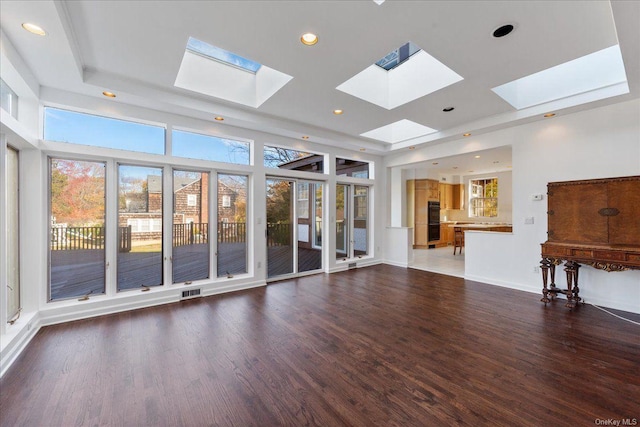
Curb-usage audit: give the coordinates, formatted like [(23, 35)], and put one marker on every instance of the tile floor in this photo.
[(440, 260)]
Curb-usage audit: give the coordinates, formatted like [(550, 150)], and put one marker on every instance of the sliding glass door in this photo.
[(352, 221), (294, 226), (309, 225), (280, 249)]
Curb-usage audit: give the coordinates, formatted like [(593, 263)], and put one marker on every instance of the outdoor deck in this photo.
[(75, 273)]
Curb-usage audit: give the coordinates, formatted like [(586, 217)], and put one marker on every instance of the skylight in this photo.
[(398, 56), (597, 70), (218, 54), (399, 131), (212, 71), (406, 74)]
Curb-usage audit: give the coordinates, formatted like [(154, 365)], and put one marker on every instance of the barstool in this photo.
[(458, 239)]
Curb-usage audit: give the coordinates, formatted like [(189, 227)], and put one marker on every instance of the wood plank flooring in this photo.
[(377, 346)]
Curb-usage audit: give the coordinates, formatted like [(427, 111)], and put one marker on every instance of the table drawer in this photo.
[(554, 251), (614, 256), (584, 253)]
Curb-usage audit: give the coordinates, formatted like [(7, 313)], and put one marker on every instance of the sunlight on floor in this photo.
[(440, 260)]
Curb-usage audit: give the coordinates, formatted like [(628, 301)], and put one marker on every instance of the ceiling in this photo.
[(135, 48)]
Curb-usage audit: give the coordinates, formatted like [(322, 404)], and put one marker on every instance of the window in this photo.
[(190, 252), (360, 202), (8, 99), (205, 147), (303, 200), (139, 227), (483, 197), (352, 168), (398, 56), (221, 55), (232, 224), (97, 131), (77, 211), (286, 158), (13, 240)]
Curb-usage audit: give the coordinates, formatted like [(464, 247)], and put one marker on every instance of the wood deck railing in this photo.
[(76, 238), (190, 234)]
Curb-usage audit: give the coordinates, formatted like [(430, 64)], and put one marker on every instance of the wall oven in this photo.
[(434, 221)]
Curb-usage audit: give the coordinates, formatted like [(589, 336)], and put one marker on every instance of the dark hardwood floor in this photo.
[(381, 346)]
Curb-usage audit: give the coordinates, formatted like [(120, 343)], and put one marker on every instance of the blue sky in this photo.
[(97, 131), (222, 55)]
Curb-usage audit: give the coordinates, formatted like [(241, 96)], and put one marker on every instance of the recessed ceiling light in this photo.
[(446, 110), (502, 31), (34, 29), (477, 157), (549, 115), (466, 134), (412, 148), (337, 112), (218, 118), (305, 137), (109, 94), (309, 39)]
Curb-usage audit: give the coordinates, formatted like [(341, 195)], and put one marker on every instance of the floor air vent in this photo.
[(192, 293), (353, 265)]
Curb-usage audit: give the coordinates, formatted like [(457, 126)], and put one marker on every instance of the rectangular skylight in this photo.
[(218, 54), (399, 131), (588, 73), (398, 56)]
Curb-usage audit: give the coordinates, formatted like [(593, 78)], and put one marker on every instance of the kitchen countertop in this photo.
[(481, 226)]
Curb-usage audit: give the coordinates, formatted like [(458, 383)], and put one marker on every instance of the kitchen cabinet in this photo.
[(446, 234), (433, 190), (421, 236), (446, 196), (457, 197)]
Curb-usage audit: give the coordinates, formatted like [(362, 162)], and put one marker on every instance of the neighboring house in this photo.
[(143, 211)]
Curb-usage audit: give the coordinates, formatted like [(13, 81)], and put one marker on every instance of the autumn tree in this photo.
[(77, 192)]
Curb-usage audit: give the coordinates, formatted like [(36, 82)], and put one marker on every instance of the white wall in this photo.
[(599, 143)]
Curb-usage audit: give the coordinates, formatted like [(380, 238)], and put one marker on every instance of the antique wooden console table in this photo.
[(593, 222)]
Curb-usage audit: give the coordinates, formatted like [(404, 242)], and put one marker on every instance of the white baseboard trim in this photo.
[(233, 288), (503, 284), (396, 263), (602, 302)]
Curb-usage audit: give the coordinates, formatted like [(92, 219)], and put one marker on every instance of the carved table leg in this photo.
[(544, 266), (552, 271), (576, 289), (571, 269)]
